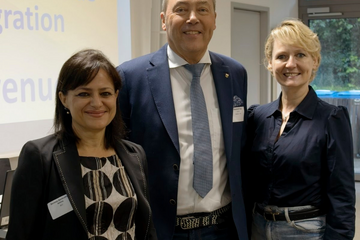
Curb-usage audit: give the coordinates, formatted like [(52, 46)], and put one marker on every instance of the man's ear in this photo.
[(163, 25), (215, 21)]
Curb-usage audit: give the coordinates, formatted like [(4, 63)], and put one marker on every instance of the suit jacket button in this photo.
[(176, 167), (172, 202)]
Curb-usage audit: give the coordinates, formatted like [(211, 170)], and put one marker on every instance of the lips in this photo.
[(96, 113), (291, 74), (192, 32)]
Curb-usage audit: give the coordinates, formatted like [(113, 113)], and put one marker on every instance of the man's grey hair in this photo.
[(165, 2)]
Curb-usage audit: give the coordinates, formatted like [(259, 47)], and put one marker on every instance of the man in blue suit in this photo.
[(156, 107)]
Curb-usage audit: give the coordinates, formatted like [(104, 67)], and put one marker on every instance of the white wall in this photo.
[(221, 42), (140, 27), (142, 21), (279, 10), (40, 44)]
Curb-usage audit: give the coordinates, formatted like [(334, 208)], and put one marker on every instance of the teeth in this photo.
[(192, 32), (291, 74)]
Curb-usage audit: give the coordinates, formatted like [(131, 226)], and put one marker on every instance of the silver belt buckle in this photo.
[(188, 223)]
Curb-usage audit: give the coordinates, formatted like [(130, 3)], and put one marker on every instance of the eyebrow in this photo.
[(197, 3), (203, 2), (90, 89)]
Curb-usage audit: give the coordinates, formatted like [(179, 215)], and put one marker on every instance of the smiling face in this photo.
[(291, 66), (189, 25), (93, 106)]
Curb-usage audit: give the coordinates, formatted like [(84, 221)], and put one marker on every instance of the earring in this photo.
[(67, 110)]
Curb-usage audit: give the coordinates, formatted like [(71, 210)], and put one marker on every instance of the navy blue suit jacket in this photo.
[(147, 107)]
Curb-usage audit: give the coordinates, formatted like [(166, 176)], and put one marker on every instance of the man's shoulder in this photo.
[(218, 58), (136, 61), (142, 60)]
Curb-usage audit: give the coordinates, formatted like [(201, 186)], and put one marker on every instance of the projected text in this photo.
[(27, 90), (31, 19)]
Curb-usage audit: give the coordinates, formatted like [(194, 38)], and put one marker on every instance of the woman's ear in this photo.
[(62, 98), (316, 64)]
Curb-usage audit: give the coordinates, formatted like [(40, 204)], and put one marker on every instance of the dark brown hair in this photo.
[(79, 70)]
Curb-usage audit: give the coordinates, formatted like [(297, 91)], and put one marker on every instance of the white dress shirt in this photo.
[(188, 199)]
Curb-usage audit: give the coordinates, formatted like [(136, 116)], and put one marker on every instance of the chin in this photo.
[(98, 127)]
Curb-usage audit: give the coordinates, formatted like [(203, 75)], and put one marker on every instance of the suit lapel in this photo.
[(68, 166), (160, 86), (224, 91), (131, 169)]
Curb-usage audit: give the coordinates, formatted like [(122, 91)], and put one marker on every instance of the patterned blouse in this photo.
[(110, 199)]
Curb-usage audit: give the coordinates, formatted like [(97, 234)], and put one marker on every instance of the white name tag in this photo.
[(59, 207), (238, 114), (5, 220)]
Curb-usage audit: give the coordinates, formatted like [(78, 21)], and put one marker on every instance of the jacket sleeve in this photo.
[(123, 99), (247, 167), (340, 187), (26, 196), (150, 233)]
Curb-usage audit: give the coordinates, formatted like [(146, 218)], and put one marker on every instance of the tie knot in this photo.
[(195, 69)]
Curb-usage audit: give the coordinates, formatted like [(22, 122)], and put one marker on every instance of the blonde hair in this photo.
[(296, 33)]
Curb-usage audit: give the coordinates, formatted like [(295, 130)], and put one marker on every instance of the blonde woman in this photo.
[(301, 155)]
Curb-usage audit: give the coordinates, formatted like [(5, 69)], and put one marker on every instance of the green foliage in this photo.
[(340, 42)]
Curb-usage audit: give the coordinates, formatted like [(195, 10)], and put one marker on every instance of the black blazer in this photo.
[(48, 168)]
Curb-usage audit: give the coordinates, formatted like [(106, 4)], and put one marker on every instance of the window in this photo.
[(340, 64), (337, 23)]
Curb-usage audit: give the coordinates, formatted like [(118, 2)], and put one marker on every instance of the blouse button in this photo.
[(172, 202), (176, 167)]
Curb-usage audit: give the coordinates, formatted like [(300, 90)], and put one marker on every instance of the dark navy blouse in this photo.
[(311, 163)]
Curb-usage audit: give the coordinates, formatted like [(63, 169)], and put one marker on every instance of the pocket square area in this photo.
[(237, 102)]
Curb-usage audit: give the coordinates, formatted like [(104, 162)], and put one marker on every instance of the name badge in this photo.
[(238, 114), (59, 207), (5, 220)]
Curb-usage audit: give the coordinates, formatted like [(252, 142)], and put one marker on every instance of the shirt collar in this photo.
[(306, 108), (176, 61), (308, 105)]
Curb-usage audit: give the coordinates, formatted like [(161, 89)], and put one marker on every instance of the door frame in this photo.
[(267, 88)]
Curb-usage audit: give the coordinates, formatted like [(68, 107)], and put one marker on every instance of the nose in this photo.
[(96, 101), (291, 63), (193, 17)]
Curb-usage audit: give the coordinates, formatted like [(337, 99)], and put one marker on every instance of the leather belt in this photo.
[(276, 216), (198, 220)]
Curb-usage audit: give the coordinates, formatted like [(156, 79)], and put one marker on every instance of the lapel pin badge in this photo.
[(227, 75)]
